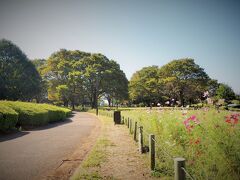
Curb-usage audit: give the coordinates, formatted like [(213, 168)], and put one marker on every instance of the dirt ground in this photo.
[(123, 160)]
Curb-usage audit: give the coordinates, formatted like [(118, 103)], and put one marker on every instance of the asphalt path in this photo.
[(29, 154)]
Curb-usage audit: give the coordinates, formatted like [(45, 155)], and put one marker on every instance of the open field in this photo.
[(208, 139), (26, 114)]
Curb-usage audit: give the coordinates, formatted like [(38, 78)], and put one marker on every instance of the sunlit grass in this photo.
[(211, 148)]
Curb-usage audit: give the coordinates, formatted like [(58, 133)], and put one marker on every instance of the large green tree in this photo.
[(145, 86), (62, 72), (100, 76), (184, 80), (19, 79), (115, 84), (181, 80), (76, 77)]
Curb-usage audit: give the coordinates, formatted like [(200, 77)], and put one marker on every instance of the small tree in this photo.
[(225, 92), (63, 94)]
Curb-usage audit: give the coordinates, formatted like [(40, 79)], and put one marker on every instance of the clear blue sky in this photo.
[(134, 33)]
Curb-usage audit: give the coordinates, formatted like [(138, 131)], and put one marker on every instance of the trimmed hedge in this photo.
[(32, 114), (8, 118)]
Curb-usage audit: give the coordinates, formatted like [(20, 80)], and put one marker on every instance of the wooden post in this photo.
[(152, 151), (128, 122), (135, 132), (130, 126), (179, 173), (140, 142)]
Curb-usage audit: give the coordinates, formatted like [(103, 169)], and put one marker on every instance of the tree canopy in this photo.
[(19, 79), (184, 80), (145, 86), (73, 77), (225, 92), (78, 77), (181, 80)]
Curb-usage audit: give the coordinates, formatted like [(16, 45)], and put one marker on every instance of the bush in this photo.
[(32, 114), (29, 113), (55, 113), (8, 118)]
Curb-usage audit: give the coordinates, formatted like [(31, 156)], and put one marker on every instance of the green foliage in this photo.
[(235, 101), (225, 92), (181, 80), (31, 114), (145, 85), (40, 65), (184, 80), (19, 79), (115, 84), (77, 77), (63, 92), (62, 74), (8, 118)]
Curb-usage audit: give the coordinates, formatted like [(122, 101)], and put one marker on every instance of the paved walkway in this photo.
[(34, 154)]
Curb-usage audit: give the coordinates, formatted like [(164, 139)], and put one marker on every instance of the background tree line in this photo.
[(179, 82), (73, 78), (66, 77)]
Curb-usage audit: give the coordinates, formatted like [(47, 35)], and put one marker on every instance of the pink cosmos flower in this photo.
[(189, 126)]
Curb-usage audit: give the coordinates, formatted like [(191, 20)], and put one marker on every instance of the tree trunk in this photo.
[(95, 100), (109, 102), (92, 102), (73, 106), (65, 104), (181, 98)]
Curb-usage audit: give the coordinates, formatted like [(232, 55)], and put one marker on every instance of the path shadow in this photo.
[(52, 125), (12, 135), (26, 130)]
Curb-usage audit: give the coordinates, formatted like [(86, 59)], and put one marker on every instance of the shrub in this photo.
[(54, 113), (32, 114), (8, 118), (29, 113)]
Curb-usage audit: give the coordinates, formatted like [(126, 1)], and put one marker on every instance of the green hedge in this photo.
[(55, 113), (8, 118), (32, 114)]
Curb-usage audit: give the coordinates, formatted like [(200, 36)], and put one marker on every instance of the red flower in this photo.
[(232, 119), (197, 141), (228, 121)]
